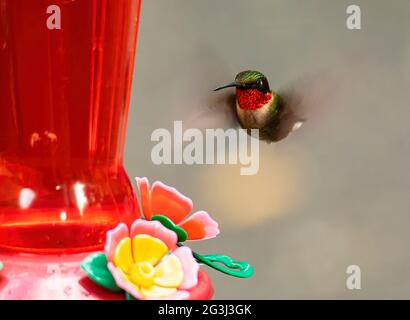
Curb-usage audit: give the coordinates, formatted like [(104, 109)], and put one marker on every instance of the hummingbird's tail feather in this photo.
[(280, 128)]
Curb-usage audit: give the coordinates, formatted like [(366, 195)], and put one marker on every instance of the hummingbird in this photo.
[(259, 107)]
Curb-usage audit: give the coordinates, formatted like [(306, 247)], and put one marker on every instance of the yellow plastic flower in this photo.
[(147, 263)]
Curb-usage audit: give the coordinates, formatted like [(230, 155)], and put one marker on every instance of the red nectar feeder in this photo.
[(64, 97)]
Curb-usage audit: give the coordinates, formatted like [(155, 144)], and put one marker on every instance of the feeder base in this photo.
[(60, 277)]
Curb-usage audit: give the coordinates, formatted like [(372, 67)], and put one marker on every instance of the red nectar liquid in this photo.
[(64, 97)]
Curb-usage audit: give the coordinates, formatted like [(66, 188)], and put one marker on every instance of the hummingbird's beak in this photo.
[(230, 85)]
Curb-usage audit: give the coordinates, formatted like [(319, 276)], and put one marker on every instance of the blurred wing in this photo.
[(218, 112), (305, 100), (208, 109), (309, 97)]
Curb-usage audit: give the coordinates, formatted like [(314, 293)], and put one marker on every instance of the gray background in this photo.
[(334, 193)]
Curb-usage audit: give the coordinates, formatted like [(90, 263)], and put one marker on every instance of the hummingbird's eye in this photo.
[(259, 83)]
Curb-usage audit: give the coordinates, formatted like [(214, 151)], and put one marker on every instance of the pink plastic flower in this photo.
[(146, 262), (163, 200)]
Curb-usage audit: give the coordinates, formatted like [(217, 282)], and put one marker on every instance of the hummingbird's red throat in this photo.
[(252, 99)]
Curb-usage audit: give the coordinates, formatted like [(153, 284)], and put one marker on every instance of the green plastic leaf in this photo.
[(227, 265), (95, 266), (166, 222), (129, 297)]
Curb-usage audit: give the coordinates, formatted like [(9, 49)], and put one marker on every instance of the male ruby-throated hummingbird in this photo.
[(258, 107)]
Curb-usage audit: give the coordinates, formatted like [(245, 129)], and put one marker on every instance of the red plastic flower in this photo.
[(163, 200)]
